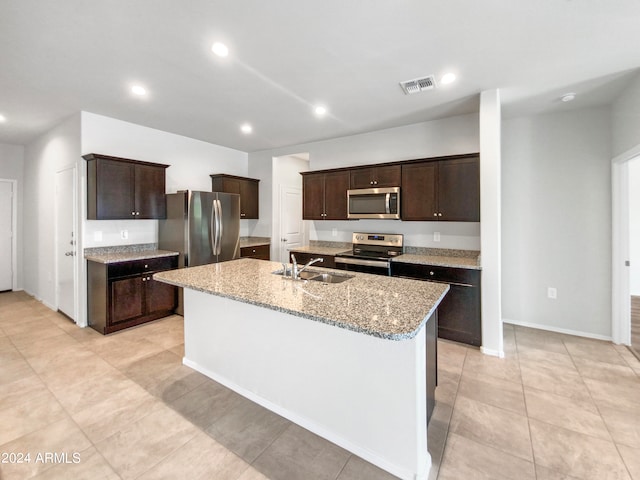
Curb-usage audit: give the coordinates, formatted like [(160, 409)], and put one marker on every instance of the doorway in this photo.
[(626, 253), (7, 236), (291, 226), (66, 241)]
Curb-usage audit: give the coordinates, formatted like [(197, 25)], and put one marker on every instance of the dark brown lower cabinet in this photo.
[(261, 252), (459, 314), (124, 294)]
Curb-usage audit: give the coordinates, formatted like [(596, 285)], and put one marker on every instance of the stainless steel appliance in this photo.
[(371, 253), (374, 203), (204, 227)]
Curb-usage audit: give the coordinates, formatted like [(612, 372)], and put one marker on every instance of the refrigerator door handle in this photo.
[(220, 227), (213, 227)]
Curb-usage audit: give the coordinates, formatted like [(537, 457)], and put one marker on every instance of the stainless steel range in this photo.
[(371, 253)]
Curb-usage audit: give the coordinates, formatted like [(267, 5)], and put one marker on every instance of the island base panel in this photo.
[(363, 393)]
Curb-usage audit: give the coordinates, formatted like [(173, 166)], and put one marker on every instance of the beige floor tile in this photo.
[(605, 371), (16, 369), (539, 340), (91, 466), (540, 358), (478, 364), (14, 393), (121, 352), (178, 350), (33, 413), (182, 381), (447, 388), (594, 350), (299, 454), (498, 428), (358, 469), (466, 459), (567, 383), (543, 473), (62, 437), (144, 443), (575, 454), (451, 356), (115, 412), (441, 416), (578, 415), (493, 391), (623, 426), (631, 458), (619, 396), (5, 343), (201, 458), (628, 356), (149, 371), (69, 374), (252, 474), (39, 332), (436, 441), (206, 403)]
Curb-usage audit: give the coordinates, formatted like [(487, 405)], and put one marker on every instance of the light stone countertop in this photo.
[(115, 257), (320, 250), (384, 307), (254, 241), (439, 260)]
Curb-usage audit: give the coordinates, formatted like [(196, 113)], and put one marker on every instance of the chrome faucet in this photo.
[(295, 271)]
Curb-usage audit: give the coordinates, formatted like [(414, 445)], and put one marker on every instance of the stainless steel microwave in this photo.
[(374, 203)]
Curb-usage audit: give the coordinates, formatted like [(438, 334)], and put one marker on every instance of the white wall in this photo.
[(12, 168), (60, 147), (556, 221), (450, 136), (634, 226), (625, 119), (192, 161)]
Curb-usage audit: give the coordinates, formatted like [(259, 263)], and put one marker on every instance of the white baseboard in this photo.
[(550, 328), (493, 353)]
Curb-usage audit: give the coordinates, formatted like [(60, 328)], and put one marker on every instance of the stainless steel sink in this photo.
[(316, 276)]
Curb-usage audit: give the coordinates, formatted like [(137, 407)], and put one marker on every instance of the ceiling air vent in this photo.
[(418, 85)]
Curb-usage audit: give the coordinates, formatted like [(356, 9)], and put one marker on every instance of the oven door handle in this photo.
[(359, 261)]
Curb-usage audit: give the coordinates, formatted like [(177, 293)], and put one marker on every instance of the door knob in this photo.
[(68, 254)]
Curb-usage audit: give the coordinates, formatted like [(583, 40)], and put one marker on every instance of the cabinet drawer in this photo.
[(261, 252), (136, 267), (462, 276)]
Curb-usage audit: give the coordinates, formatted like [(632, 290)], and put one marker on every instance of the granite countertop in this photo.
[(254, 241), (439, 260), (384, 307), (127, 256)]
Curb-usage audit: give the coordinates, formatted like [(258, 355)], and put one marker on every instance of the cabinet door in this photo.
[(419, 191), (126, 299), (389, 176), (249, 193), (361, 178), (159, 296), (459, 315), (150, 192), (313, 197), (459, 190), (115, 190), (335, 195)]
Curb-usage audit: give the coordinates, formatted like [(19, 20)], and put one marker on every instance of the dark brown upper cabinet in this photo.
[(442, 190), (374, 177), (247, 188), (121, 188), (324, 195)]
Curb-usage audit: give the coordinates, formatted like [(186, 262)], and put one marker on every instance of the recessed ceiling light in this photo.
[(320, 110), (138, 90), (448, 78), (2, 118), (568, 97), (220, 49), (246, 128)]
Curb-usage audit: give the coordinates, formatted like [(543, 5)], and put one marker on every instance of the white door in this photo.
[(66, 250), (290, 220), (6, 235)]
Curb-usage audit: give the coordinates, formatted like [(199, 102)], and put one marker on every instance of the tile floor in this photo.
[(557, 407)]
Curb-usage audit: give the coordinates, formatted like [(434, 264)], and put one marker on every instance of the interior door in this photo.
[(6, 235), (66, 241), (291, 225)]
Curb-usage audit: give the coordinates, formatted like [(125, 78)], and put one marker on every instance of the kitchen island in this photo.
[(353, 362)]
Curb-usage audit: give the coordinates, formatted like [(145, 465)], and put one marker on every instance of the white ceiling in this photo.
[(60, 57)]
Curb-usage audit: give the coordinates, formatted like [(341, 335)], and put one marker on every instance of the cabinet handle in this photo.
[(137, 213), (243, 214), (371, 182), (375, 182), (431, 273), (435, 214), (133, 213), (440, 214), (254, 250), (144, 279)]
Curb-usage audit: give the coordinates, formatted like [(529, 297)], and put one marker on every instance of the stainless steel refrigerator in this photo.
[(204, 227)]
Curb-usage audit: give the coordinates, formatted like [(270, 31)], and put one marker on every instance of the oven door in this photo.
[(374, 203), (378, 267)]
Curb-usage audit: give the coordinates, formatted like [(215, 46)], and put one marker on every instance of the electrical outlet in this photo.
[(552, 293), (124, 234), (436, 236), (334, 232)]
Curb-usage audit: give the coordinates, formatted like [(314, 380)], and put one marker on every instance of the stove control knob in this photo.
[(359, 237)]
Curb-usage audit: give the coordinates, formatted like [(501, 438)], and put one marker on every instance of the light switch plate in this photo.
[(124, 234), (552, 293), (436, 236)]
